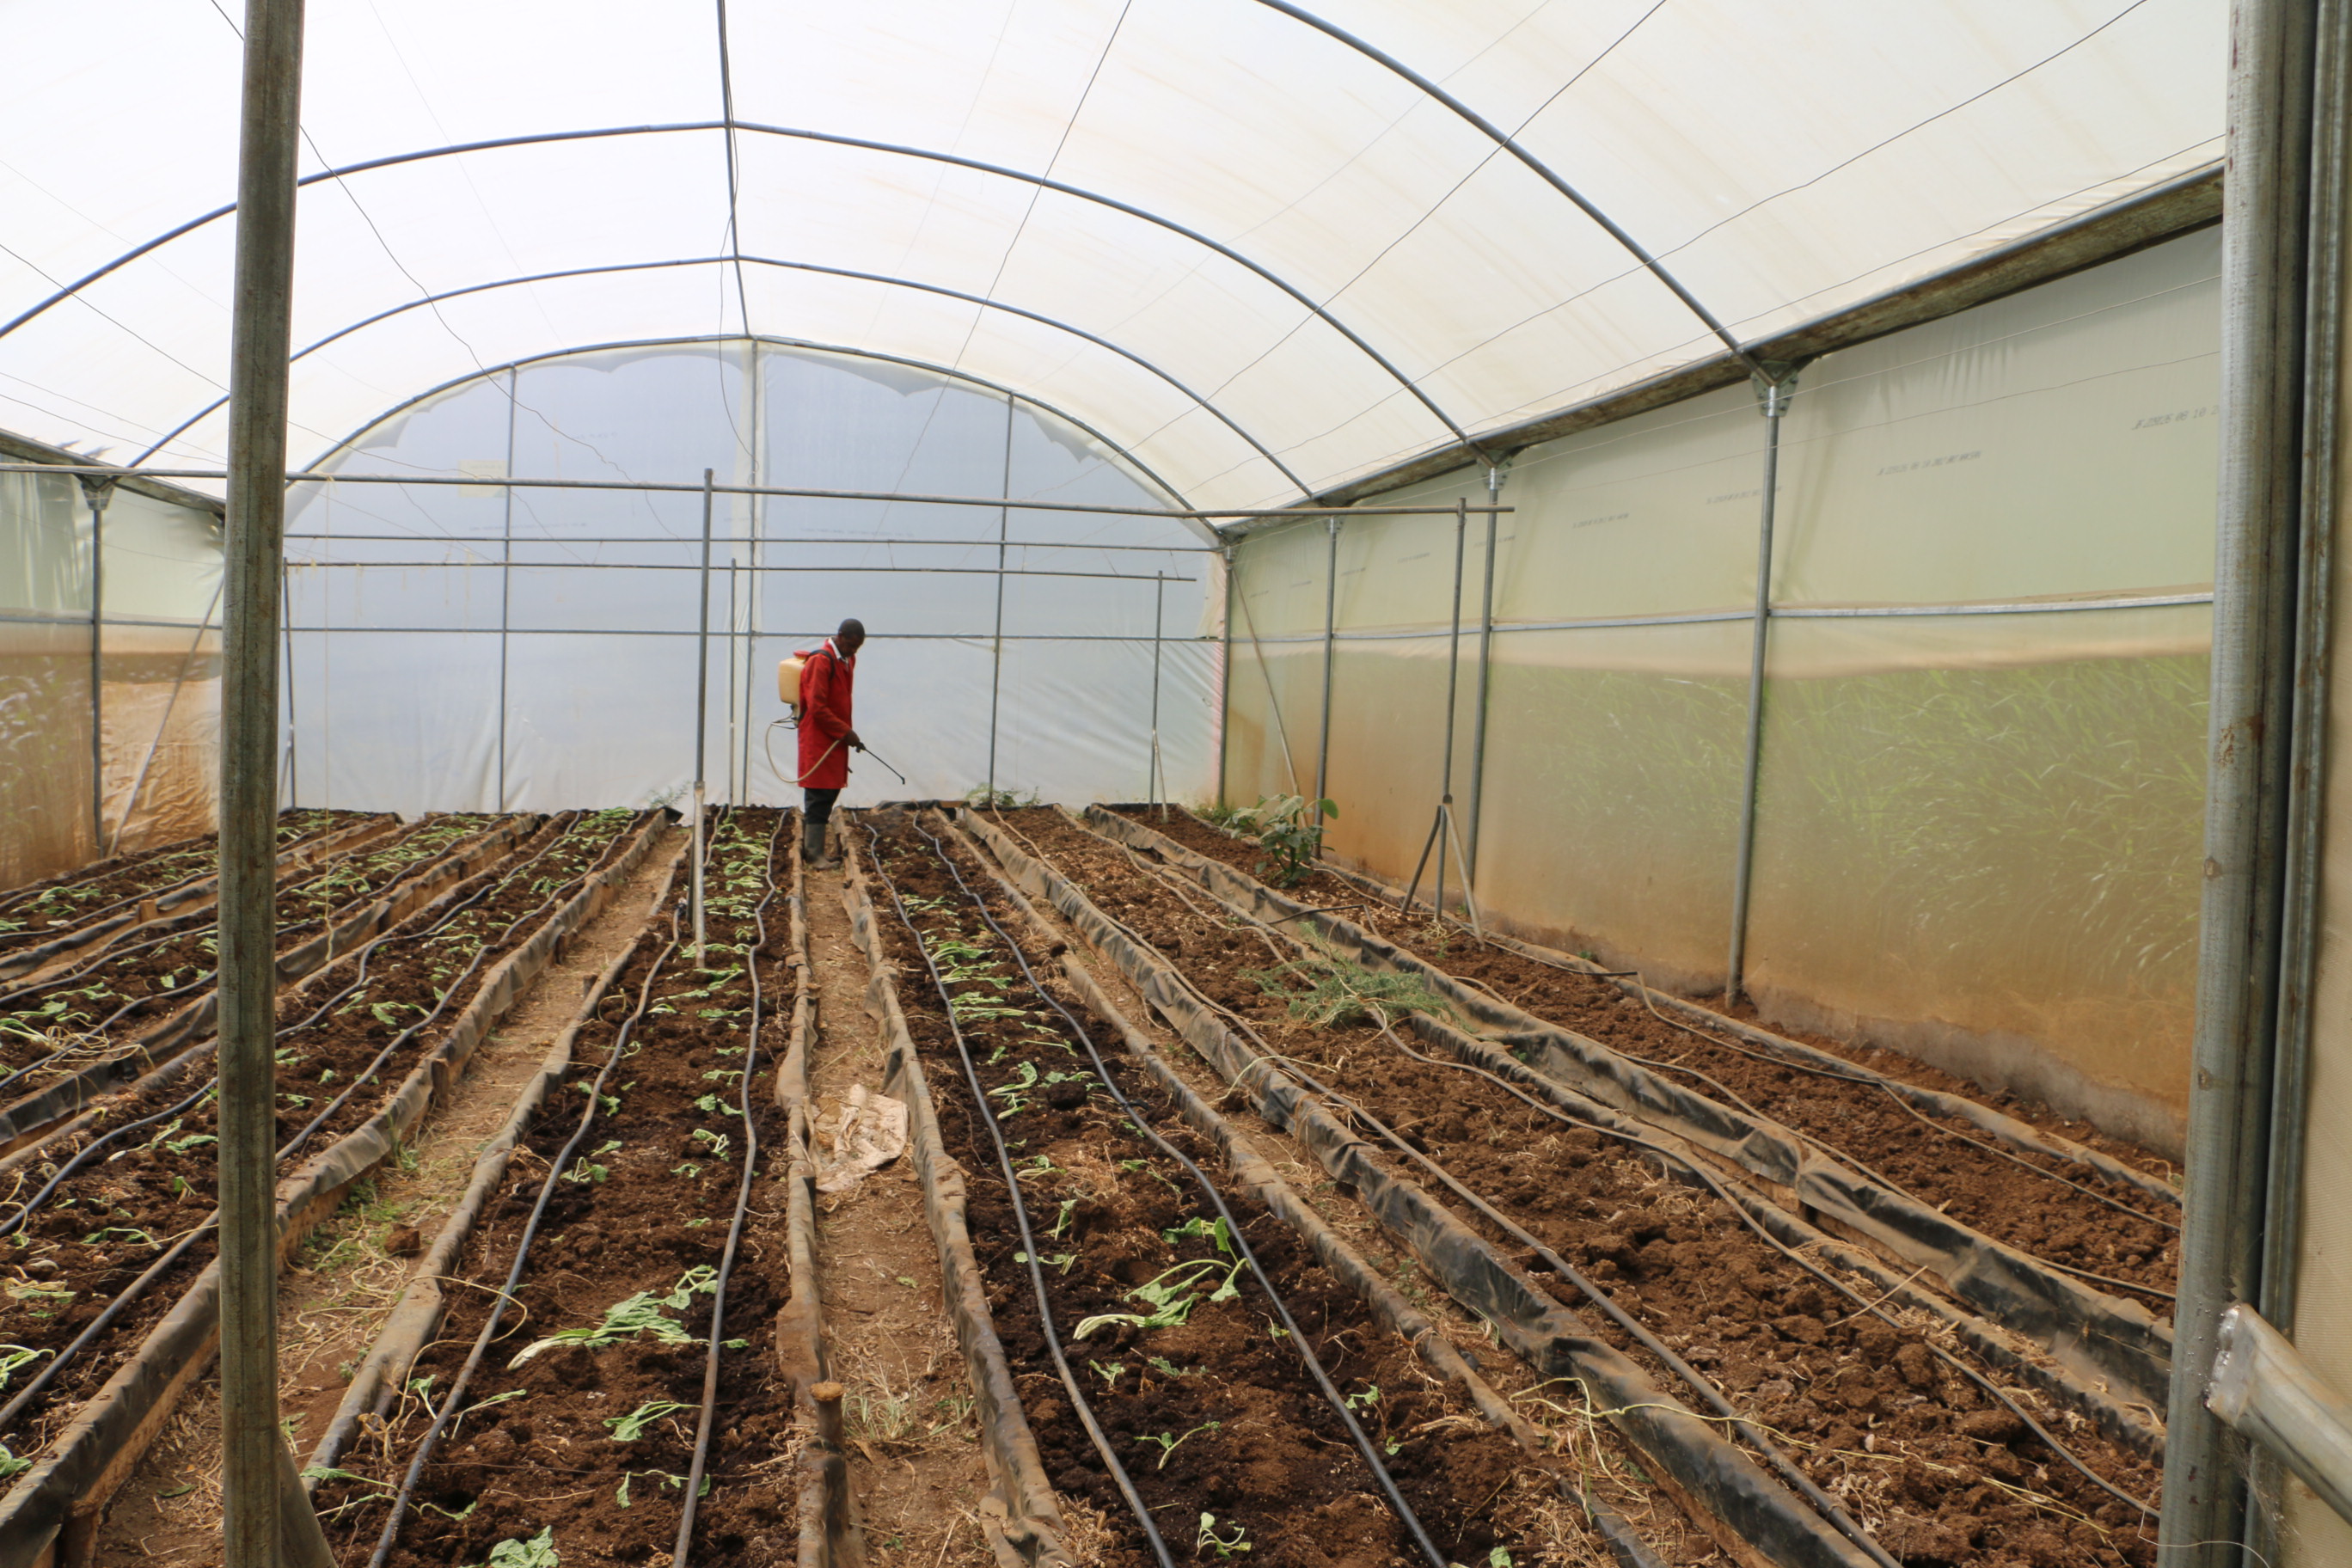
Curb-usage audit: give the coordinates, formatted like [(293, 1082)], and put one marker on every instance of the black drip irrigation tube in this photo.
[(191, 993), (1708, 1178), (1600, 1298), (389, 1537), (130, 1294), (1332, 1395), (742, 1203), (1029, 1250)]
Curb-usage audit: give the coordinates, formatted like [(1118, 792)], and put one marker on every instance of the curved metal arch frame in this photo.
[(774, 340), (1541, 169), (739, 258), (1297, 294)]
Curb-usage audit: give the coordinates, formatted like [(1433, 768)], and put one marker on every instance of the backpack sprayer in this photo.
[(788, 689)]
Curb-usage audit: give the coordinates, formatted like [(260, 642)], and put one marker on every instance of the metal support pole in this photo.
[(1776, 404), (996, 656), (506, 584), (97, 492), (1331, 649), (1159, 605), (260, 326), (701, 713), (1440, 828), (2253, 793), (139, 779), (1486, 664)]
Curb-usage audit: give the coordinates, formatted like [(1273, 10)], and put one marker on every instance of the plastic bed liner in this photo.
[(2102, 1338)]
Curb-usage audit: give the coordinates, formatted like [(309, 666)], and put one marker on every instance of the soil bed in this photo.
[(1215, 1415), (2133, 1241), (96, 1008), (1935, 1468), (643, 1211), (50, 910), (111, 1220)]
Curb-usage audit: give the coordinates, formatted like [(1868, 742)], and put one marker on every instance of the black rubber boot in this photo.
[(813, 847)]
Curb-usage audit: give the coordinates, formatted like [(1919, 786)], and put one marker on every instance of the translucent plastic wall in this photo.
[(1979, 807), (157, 682), (463, 647)]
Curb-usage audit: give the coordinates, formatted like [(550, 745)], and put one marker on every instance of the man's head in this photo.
[(851, 636)]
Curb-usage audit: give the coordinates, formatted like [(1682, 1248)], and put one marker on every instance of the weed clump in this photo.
[(1338, 990)]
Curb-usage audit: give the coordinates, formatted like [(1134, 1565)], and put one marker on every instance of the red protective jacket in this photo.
[(826, 682)]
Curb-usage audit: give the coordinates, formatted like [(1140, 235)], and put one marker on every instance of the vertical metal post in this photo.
[(260, 325), (1158, 602), (293, 758), (1225, 675), (2250, 782), (1452, 690), (97, 493), (752, 615), (996, 659), (506, 582), (1485, 665), (701, 713), (1330, 647), (1776, 404)]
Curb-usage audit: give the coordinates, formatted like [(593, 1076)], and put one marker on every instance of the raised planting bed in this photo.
[(110, 1239), (1571, 1230), (68, 923), (605, 1378), (69, 1038), (1926, 1191), (41, 910), (1165, 1376)]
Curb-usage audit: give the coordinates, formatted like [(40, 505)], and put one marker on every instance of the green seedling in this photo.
[(1209, 1540), (715, 1142), (584, 1173), (10, 1465), (720, 1075), (124, 1232), (711, 1105), (1062, 1224), (1042, 1166), (1169, 1444), (1338, 990), (538, 1552), (641, 1314), (192, 1140), (690, 1170), (13, 1356), (298, 1102), (698, 1222), (630, 1427), (1366, 1400), (1292, 841), (1109, 1374), (1015, 1094), (1166, 1368), (621, 1497), (1171, 1297)]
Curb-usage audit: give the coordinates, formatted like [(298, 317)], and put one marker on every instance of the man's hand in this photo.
[(853, 743)]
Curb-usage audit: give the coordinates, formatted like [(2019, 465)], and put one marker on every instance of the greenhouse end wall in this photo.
[(1979, 803)]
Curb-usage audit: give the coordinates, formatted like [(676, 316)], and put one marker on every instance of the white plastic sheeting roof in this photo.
[(1237, 243)]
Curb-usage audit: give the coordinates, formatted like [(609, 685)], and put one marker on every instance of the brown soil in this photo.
[(538, 1448), (915, 1465), (61, 1023), (2132, 1239), (49, 909), (1926, 1461), (335, 1293), (1214, 1415), (111, 1220)]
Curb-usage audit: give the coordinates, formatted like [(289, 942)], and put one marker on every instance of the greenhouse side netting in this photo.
[(479, 647), (151, 690), (1981, 760)]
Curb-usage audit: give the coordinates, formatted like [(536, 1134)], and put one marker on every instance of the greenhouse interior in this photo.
[(1483, 785)]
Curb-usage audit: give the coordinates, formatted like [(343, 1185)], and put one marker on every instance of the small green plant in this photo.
[(1366, 1400), (715, 1142), (1290, 831), (1169, 1444), (10, 1464), (1172, 1295), (1166, 1368), (980, 797), (632, 1316), (538, 1552), (1209, 1540), (1109, 1374), (621, 1496), (13, 1356), (1338, 990), (630, 1427)]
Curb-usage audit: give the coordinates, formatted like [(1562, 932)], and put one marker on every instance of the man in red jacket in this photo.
[(826, 737)]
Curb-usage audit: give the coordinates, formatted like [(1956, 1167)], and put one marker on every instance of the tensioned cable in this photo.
[(737, 259), (1059, 187)]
